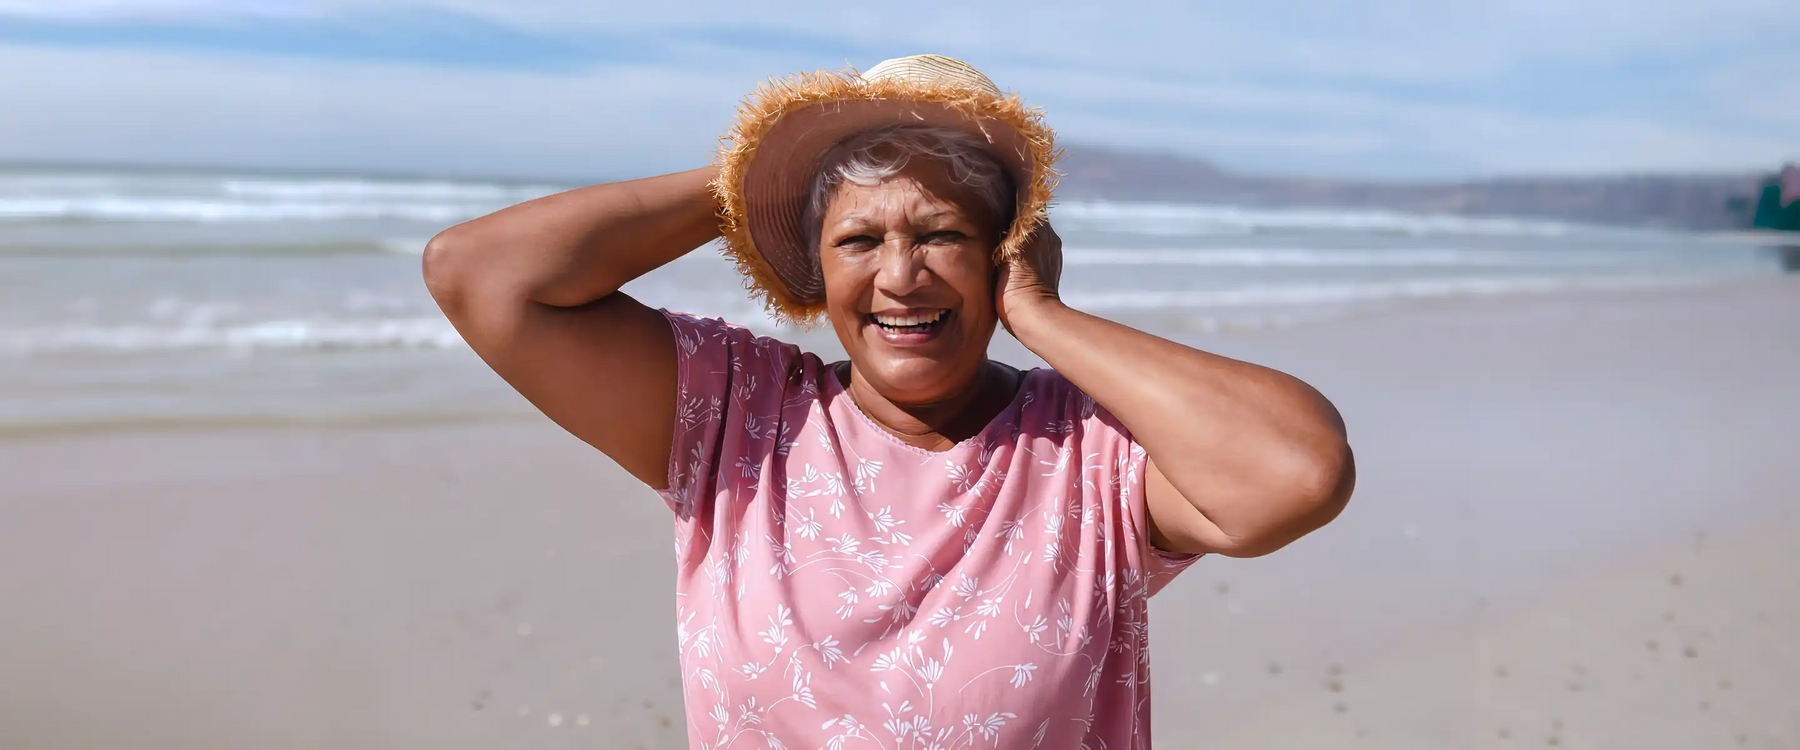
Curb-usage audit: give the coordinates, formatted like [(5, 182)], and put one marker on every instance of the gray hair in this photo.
[(871, 157)]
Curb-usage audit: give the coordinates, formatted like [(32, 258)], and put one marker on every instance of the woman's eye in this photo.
[(945, 238), (858, 242)]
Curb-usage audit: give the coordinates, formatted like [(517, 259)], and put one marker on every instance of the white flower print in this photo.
[(885, 662), (748, 468), (783, 555), (691, 411), (988, 728), (967, 586), (834, 483), (750, 712), (753, 425), (807, 527), (1021, 674), (785, 444), (829, 653), (884, 519), (776, 634), (963, 478), (943, 616), (1011, 531), (899, 727), (876, 560), (803, 689), (866, 470), (840, 518), (1036, 629), (900, 613), (986, 455), (746, 390), (931, 670)]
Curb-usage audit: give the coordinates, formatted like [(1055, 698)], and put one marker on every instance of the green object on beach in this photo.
[(1778, 205)]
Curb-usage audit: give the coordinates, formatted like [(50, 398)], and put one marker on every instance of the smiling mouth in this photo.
[(911, 323)]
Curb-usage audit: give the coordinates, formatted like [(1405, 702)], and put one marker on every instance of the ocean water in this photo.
[(140, 298)]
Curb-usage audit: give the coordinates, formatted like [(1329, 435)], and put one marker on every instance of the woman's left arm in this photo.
[(1243, 459)]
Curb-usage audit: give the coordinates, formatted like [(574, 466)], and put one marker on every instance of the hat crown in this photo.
[(932, 70)]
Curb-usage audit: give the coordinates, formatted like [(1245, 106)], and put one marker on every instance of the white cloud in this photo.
[(131, 106), (187, 10), (1378, 87)]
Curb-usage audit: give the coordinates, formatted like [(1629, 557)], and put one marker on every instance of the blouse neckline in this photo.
[(835, 391)]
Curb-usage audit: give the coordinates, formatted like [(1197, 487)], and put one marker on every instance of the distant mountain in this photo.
[(1691, 202)]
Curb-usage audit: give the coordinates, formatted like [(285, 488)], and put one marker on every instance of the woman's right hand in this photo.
[(533, 289)]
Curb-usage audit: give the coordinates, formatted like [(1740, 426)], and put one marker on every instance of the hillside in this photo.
[(1694, 202)]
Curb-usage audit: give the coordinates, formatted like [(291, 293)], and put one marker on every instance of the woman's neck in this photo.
[(936, 426)]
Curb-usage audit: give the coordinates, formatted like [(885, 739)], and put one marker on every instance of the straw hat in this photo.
[(768, 160)]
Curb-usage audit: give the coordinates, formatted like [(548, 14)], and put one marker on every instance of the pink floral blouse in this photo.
[(837, 588)]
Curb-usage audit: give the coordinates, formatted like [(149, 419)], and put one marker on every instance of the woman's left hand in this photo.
[(1242, 459), (1033, 279)]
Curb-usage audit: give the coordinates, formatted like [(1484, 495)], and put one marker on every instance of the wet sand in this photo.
[(1572, 530)]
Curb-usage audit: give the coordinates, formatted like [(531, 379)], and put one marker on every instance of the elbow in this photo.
[(444, 268), (1314, 491), (1319, 490), (1325, 479)]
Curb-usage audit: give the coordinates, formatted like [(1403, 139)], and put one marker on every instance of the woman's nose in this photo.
[(902, 269)]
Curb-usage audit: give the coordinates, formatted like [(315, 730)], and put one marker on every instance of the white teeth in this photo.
[(905, 321)]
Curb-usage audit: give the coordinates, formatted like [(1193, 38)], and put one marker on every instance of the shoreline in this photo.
[(1533, 472)]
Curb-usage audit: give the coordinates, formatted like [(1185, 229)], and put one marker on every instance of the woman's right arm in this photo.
[(534, 289)]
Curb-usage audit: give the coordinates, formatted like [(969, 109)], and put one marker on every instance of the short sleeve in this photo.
[(727, 381), (1159, 566)]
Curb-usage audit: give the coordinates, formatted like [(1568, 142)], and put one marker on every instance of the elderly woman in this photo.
[(919, 546)]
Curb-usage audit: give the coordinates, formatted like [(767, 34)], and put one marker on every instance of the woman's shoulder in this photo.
[(726, 348), (693, 331), (1048, 395), (1044, 387)]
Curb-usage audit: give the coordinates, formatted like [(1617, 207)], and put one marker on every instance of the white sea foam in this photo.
[(429, 190), (1371, 292), (199, 334), (1275, 257), (1195, 219), (178, 327), (176, 197), (128, 196), (207, 210)]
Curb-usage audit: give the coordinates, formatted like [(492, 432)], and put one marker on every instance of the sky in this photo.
[(600, 89)]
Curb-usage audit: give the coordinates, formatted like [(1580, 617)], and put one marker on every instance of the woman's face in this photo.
[(909, 281)]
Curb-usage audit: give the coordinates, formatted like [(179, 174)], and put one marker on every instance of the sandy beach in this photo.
[(1572, 529)]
